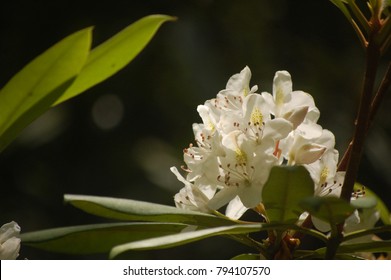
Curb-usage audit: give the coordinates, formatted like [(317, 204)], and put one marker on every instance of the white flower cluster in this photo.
[(244, 134)]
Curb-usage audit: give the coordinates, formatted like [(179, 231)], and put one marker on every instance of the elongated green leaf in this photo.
[(111, 56), (133, 210), (374, 247), (385, 215), (98, 238), (364, 232), (182, 238), (32, 90), (283, 191), (246, 257), (329, 209)]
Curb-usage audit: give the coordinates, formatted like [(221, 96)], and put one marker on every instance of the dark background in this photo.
[(120, 138)]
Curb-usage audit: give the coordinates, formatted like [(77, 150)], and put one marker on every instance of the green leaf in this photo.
[(178, 239), (114, 54), (329, 209), (246, 257), (33, 89), (98, 238), (133, 210), (385, 215), (374, 247), (364, 232), (285, 188)]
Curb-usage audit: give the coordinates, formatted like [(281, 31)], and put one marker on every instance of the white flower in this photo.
[(229, 102), (239, 85), (201, 160), (257, 123), (235, 208), (9, 241), (192, 196), (289, 104), (323, 171), (243, 171)]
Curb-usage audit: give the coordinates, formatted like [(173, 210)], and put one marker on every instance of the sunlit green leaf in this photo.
[(283, 191), (133, 210), (98, 238), (329, 209), (385, 215), (182, 238), (111, 56), (246, 257), (33, 89)]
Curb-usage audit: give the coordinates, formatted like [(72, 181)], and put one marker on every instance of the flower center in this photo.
[(241, 157), (256, 117), (279, 96), (323, 175), (211, 126), (245, 91)]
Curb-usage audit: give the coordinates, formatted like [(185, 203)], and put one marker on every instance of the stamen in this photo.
[(256, 117), (186, 169), (241, 156), (277, 151)]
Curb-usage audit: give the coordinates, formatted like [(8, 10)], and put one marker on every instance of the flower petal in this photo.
[(235, 209)]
